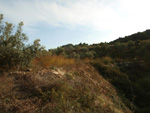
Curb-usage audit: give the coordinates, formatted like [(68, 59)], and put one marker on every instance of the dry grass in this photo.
[(80, 89), (6, 85), (48, 60)]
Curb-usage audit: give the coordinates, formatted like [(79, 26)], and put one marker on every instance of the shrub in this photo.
[(13, 50), (119, 79), (106, 60), (10, 58), (48, 60)]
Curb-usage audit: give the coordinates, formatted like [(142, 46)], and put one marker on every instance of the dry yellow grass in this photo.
[(48, 60)]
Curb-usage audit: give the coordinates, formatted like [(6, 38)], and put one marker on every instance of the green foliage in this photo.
[(144, 52), (89, 55), (134, 37), (131, 80), (10, 57), (106, 60), (118, 79), (139, 77), (13, 51)]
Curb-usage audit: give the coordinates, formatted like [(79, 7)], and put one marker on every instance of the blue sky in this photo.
[(59, 22)]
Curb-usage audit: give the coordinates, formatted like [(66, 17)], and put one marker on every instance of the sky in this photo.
[(60, 22)]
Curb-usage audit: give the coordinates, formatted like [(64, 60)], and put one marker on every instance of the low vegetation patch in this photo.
[(48, 60)]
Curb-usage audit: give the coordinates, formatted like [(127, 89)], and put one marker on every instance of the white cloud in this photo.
[(89, 13), (120, 16)]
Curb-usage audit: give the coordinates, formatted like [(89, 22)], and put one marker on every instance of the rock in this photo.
[(55, 72)]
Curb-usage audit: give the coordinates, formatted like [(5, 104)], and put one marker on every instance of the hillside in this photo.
[(130, 58), (98, 78), (75, 89), (134, 37)]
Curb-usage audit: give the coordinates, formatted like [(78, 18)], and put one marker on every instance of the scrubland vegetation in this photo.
[(100, 78), (48, 60)]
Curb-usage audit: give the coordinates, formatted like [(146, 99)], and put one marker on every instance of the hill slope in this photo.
[(134, 37), (74, 89), (127, 65)]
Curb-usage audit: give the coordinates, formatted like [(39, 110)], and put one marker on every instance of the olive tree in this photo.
[(13, 50)]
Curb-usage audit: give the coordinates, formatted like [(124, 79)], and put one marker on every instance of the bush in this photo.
[(119, 79), (10, 58), (48, 60), (106, 60), (13, 51)]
